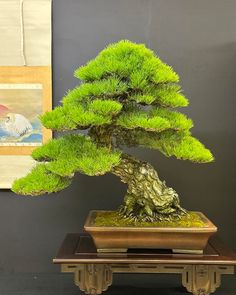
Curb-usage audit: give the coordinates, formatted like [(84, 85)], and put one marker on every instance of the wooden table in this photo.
[(201, 274)]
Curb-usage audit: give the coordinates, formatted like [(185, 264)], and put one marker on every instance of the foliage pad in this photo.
[(40, 181), (76, 153)]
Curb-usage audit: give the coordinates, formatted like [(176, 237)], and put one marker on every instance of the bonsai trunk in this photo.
[(148, 198)]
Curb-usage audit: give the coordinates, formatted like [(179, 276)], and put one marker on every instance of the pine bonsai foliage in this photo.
[(126, 98)]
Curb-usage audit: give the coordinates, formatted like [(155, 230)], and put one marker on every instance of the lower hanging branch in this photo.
[(148, 198)]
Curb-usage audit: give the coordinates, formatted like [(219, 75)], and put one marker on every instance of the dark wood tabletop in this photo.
[(79, 248)]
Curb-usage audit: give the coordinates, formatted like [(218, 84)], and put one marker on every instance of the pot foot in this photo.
[(186, 251), (112, 250)]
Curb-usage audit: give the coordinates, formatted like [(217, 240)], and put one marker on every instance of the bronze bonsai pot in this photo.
[(179, 239)]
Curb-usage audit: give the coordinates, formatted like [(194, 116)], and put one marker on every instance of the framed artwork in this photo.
[(25, 93), (25, 83)]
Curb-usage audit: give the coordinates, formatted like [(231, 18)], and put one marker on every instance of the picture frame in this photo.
[(16, 83), (15, 159)]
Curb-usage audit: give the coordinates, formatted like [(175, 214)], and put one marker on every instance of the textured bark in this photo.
[(148, 198)]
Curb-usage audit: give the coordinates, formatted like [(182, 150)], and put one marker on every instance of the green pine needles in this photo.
[(126, 98)]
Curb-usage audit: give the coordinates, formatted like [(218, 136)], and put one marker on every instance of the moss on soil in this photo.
[(112, 218)]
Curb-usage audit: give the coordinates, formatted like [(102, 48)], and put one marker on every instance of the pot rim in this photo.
[(89, 226)]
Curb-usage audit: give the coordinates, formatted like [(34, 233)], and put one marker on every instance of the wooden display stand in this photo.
[(201, 274)]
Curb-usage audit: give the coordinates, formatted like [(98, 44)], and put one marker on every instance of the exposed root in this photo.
[(155, 216)]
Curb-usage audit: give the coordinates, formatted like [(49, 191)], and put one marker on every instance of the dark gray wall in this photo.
[(198, 38)]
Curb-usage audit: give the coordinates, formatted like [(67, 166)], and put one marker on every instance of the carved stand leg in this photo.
[(204, 279), (93, 278)]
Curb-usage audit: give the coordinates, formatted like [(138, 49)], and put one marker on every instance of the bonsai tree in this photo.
[(126, 98)]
